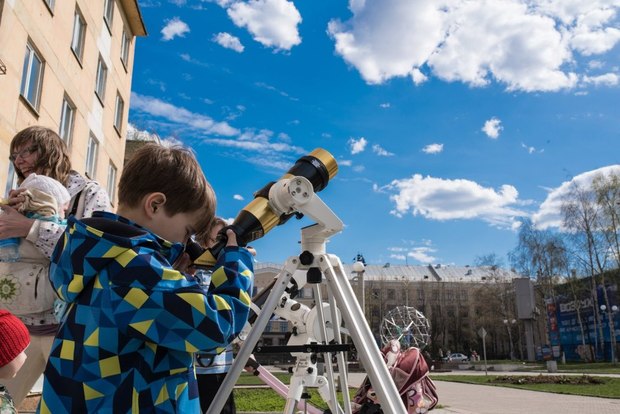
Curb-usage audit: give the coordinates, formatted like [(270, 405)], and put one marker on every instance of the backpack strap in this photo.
[(76, 202)]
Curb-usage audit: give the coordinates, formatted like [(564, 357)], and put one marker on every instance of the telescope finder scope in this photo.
[(258, 218)]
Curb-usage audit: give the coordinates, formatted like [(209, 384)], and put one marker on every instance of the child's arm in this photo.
[(176, 312)]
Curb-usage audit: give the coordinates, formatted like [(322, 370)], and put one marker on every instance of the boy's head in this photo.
[(38, 184), (165, 190), (14, 339)]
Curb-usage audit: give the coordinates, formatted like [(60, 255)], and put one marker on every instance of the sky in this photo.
[(450, 120)]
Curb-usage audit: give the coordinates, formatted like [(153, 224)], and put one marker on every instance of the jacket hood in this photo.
[(91, 245)]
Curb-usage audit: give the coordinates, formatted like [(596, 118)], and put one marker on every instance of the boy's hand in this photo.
[(232, 238)]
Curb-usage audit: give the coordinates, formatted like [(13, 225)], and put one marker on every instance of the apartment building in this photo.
[(67, 65)]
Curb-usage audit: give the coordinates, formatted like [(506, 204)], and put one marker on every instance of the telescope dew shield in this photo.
[(257, 218)]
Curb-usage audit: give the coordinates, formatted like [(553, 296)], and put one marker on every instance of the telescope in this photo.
[(260, 216)]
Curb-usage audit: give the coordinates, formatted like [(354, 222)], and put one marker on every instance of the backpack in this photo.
[(409, 371)]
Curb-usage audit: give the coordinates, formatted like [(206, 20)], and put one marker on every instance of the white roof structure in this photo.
[(437, 273)]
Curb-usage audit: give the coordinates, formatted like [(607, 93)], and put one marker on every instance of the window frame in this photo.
[(32, 51), (125, 46), (50, 5), (111, 185), (78, 40), (118, 114), (67, 137), (92, 151), (101, 79), (108, 13)]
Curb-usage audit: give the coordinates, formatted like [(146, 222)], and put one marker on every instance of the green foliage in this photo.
[(267, 400)]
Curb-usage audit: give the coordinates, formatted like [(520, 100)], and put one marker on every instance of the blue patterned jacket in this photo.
[(134, 322)]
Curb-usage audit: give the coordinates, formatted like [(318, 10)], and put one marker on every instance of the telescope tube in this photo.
[(258, 218)]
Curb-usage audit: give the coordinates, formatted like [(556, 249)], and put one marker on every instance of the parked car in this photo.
[(457, 357)]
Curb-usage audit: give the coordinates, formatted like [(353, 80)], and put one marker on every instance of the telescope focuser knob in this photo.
[(306, 258)]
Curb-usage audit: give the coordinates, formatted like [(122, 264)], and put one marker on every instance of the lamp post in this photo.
[(509, 329), (358, 268), (612, 331)]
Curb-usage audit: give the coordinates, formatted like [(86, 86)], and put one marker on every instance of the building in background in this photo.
[(68, 66), (457, 300)]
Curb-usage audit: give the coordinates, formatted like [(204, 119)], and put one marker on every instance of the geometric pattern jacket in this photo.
[(133, 322)]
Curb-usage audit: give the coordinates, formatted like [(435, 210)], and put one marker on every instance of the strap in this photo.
[(74, 207)]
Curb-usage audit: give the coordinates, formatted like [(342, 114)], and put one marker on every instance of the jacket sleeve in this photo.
[(174, 311)]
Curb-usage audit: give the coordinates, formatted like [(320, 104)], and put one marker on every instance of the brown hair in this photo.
[(172, 171), (203, 237), (53, 157)]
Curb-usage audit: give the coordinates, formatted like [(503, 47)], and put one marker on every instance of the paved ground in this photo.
[(481, 399), (456, 398)]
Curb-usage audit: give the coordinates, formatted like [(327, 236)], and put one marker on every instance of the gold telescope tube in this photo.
[(258, 218)]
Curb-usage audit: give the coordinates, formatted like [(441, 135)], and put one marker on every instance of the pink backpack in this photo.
[(410, 374)]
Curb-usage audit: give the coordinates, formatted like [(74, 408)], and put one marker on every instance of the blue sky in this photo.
[(450, 120)]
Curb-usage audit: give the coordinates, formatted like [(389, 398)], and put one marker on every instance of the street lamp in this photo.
[(512, 322), (612, 332), (358, 268)]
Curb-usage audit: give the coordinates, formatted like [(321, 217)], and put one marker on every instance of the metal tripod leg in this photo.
[(260, 324), (355, 322)]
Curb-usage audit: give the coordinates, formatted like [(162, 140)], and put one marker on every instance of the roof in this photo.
[(471, 274), (134, 17)]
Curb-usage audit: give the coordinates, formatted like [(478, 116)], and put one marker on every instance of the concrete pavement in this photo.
[(457, 398)]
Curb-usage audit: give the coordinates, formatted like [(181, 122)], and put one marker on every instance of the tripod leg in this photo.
[(363, 339), (325, 339), (246, 349)]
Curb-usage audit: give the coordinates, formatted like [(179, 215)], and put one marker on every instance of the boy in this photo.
[(134, 321)]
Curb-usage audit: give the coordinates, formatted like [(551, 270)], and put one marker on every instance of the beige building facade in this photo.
[(67, 65)]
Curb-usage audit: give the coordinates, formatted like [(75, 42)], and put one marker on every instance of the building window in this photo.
[(11, 182), (102, 74), (67, 117), (91, 156), (391, 294), (50, 4), (108, 13), (111, 181), (119, 107), (79, 34), (125, 44), (32, 76)]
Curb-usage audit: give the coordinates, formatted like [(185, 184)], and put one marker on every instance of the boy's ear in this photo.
[(154, 204)]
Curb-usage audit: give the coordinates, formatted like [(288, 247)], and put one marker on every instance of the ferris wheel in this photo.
[(408, 325)]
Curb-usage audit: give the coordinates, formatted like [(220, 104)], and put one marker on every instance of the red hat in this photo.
[(14, 337)]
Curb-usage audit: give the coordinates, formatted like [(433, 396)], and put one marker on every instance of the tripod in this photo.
[(297, 195)]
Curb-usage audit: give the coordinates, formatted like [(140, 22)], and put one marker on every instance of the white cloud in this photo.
[(377, 149), (423, 255), (385, 105), (608, 79), (345, 163), (359, 168), (530, 150), (525, 45), (272, 23), (181, 116), (357, 145), (442, 199), (173, 28), (228, 41), (549, 213), (238, 197), (135, 134), (433, 148), (492, 127)]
